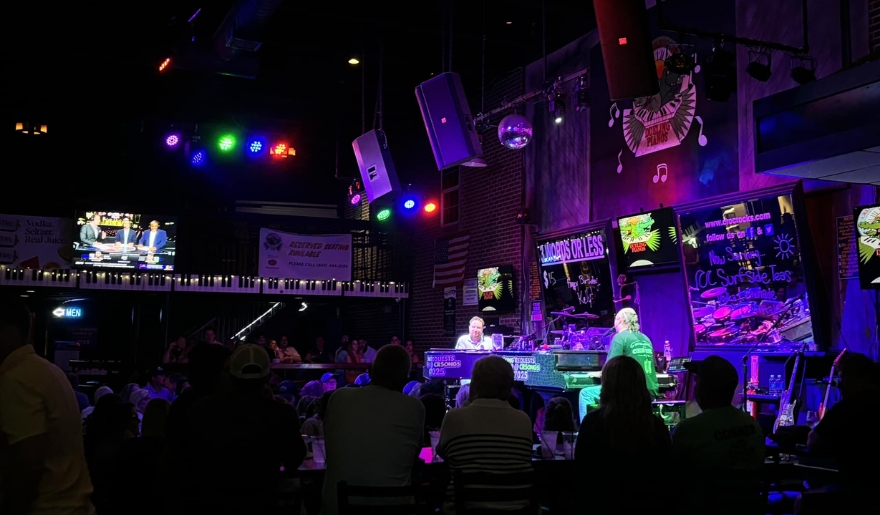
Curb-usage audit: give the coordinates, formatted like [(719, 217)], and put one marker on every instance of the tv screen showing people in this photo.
[(124, 241)]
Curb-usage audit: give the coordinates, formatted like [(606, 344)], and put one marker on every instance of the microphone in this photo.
[(607, 333)]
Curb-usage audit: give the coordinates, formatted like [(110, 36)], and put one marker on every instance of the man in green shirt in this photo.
[(628, 341)]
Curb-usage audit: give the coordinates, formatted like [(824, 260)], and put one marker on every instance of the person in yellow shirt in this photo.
[(42, 461)]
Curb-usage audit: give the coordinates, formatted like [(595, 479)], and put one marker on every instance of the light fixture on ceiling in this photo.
[(557, 105), (803, 69), (719, 68), (759, 67), (582, 92), (681, 62), (353, 61)]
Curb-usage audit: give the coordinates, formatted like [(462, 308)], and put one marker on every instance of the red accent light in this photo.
[(430, 207), (282, 150), (164, 64), (621, 41)]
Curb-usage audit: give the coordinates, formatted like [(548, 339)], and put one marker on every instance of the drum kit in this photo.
[(572, 336), (743, 323)]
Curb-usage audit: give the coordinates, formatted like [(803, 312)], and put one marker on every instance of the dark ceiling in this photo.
[(91, 71)]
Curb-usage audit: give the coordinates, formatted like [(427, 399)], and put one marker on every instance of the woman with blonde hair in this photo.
[(621, 444), (629, 341)]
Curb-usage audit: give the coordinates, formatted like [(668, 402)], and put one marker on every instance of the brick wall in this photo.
[(874, 25), (490, 199)]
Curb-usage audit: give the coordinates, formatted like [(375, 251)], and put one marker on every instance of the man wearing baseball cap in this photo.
[(236, 444), (720, 439)]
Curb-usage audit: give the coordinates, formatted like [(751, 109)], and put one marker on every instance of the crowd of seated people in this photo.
[(220, 439)]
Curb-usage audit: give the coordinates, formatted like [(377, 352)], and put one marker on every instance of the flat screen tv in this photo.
[(867, 220), (495, 288), (114, 240), (649, 239)]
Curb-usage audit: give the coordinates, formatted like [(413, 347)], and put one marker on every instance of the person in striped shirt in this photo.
[(487, 435)]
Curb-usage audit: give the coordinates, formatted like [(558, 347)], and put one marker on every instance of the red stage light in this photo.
[(282, 150), (164, 64), (430, 207)]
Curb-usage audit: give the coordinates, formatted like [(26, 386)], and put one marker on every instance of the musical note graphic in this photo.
[(619, 162), (658, 178), (613, 112), (702, 140)]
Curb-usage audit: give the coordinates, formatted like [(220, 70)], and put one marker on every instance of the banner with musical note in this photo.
[(305, 256), (676, 146), (35, 242)]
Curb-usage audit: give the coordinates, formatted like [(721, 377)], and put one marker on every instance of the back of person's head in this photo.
[(435, 410), (100, 392), (126, 392), (629, 318), (491, 378), (625, 403), (312, 389), (435, 387), (390, 369), (140, 399), (858, 373), (108, 421), (73, 379), (559, 415), (463, 395), (716, 382), (249, 366), (155, 418), (206, 366), (15, 324), (302, 407)]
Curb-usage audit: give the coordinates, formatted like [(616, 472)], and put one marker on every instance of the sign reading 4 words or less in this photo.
[(305, 256)]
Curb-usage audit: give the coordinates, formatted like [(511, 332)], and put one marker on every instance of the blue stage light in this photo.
[(255, 146), (198, 157)]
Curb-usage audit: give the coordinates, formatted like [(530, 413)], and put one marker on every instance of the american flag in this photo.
[(450, 258)]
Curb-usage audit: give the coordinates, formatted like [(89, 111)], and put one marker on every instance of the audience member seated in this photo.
[(621, 444), (156, 385), (328, 382), (42, 464), (231, 451), (845, 431), (463, 396), (139, 400), (100, 392), (127, 390), (171, 382), (487, 435), (287, 390), (287, 352), (435, 411), (314, 425), (313, 389), (559, 415), (111, 424), (373, 434), (720, 451), (363, 379), (139, 458), (81, 399)]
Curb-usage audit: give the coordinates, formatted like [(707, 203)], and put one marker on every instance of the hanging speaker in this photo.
[(375, 164), (448, 120), (626, 48)]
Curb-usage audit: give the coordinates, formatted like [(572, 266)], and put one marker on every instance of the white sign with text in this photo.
[(35, 242), (305, 256)]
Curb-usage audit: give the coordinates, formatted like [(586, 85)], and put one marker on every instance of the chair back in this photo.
[(377, 500), (481, 493)]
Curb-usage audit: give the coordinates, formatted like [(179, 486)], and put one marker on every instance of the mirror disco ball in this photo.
[(515, 131)]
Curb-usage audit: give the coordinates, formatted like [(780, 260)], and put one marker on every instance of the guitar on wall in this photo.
[(834, 365), (786, 403)]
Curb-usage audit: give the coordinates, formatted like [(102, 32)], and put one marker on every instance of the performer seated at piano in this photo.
[(126, 236), (629, 341), (475, 340), (154, 239)]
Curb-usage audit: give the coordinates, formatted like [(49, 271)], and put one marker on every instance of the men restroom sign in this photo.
[(67, 312)]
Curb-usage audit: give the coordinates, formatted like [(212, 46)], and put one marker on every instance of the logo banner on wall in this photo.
[(305, 256), (35, 242)]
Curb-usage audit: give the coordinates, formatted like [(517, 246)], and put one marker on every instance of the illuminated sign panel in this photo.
[(71, 312)]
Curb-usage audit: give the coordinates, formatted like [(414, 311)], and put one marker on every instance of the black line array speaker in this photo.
[(448, 120), (374, 161), (626, 48)]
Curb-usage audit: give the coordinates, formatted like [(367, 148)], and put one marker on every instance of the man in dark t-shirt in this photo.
[(629, 341)]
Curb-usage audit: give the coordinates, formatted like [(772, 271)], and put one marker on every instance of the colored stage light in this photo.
[(199, 157), (409, 204), (255, 146), (430, 207), (172, 140), (227, 142), (282, 150), (164, 64), (355, 199), (383, 215)]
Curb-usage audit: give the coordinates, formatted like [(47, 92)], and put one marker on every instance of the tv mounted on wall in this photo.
[(124, 241), (495, 287), (649, 239), (867, 220)]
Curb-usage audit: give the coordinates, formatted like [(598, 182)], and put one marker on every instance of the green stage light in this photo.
[(383, 214), (227, 142)]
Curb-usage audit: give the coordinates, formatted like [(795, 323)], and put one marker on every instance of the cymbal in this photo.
[(557, 332), (703, 312), (587, 316), (712, 293)]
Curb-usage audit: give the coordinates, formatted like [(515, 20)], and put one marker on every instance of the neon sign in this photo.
[(67, 312)]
